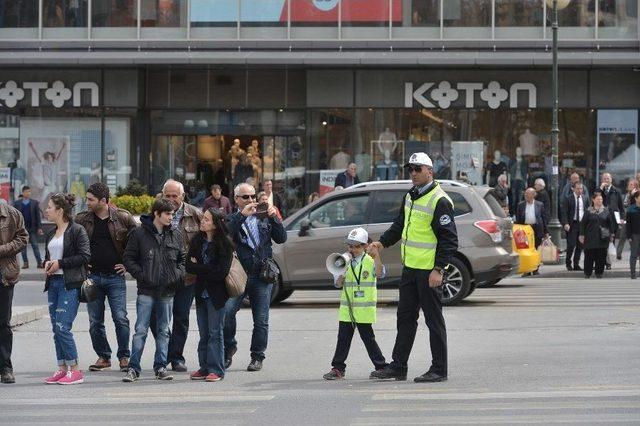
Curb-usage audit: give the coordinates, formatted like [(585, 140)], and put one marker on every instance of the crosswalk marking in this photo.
[(507, 419)]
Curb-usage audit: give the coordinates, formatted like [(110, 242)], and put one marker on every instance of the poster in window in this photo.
[(618, 142), (466, 161), (47, 166)]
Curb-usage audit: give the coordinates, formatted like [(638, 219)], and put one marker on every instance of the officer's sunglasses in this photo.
[(417, 169), (248, 196)]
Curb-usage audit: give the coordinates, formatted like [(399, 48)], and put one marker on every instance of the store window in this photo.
[(18, 13), (519, 18), (62, 13), (425, 13), (467, 13), (163, 13), (110, 13), (618, 19)]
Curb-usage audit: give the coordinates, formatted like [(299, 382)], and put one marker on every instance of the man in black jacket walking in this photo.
[(252, 236), (155, 257)]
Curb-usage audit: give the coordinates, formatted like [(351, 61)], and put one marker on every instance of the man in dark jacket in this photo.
[(501, 191), (532, 212), (108, 230), (274, 198), (13, 238), (30, 210), (542, 195), (155, 257), (252, 236), (217, 201), (614, 199), (348, 177)]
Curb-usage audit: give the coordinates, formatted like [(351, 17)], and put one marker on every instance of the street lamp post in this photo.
[(554, 223)]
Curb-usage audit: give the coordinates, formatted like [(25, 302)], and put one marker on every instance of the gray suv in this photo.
[(484, 234)]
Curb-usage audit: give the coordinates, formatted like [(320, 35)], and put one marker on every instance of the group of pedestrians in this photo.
[(176, 254)]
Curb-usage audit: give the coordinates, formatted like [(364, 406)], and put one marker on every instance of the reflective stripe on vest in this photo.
[(362, 308), (419, 242)]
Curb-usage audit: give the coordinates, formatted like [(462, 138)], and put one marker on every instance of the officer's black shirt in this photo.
[(443, 225)]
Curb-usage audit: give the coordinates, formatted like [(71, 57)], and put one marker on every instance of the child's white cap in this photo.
[(358, 236)]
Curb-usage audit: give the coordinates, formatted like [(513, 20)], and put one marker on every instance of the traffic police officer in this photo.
[(429, 239)]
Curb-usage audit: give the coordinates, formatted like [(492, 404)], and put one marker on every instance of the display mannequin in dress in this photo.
[(340, 160), (518, 172), (495, 168), (387, 141)]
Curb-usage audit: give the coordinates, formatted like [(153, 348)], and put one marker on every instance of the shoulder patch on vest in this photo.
[(445, 220), (365, 274)]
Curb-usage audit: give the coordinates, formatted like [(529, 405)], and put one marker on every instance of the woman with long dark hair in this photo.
[(597, 230), (67, 253), (210, 255)]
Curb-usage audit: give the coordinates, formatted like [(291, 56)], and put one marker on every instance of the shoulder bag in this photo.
[(236, 280), (269, 271)]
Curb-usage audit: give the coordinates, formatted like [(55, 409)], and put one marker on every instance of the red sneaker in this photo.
[(197, 375), (53, 380), (213, 377)]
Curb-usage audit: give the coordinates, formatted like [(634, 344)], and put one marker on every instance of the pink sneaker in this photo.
[(213, 377), (72, 378), (53, 380)]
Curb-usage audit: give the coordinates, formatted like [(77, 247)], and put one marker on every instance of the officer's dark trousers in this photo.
[(415, 293), (345, 335)]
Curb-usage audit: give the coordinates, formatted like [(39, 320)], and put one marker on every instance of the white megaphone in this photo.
[(337, 263)]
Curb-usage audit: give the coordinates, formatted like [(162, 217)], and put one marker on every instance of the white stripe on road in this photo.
[(505, 406), (141, 398), (510, 395), (507, 419)]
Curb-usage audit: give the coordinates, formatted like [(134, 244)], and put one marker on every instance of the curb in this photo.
[(30, 315)]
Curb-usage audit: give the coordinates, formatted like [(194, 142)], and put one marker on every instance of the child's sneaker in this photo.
[(72, 378), (53, 380), (334, 374), (213, 377)]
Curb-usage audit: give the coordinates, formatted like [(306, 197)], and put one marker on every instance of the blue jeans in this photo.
[(211, 344), (113, 287), (182, 302), (63, 308), (33, 240), (259, 294), (144, 307)]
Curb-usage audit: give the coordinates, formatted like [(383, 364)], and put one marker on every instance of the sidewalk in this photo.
[(619, 268), (24, 314)]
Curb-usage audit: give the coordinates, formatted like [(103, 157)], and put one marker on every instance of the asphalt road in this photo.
[(534, 351)]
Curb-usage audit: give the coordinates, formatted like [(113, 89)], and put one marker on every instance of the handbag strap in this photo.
[(255, 244)]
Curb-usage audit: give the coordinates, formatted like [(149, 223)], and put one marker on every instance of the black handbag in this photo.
[(269, 271)]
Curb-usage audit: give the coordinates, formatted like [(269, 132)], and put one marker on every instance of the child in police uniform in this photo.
[(358, 300)]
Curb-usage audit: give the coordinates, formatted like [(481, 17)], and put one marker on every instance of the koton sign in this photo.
[(443, 94), (57, 93)]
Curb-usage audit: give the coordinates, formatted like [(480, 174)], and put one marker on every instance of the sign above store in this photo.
[(444, 95), (11, 93)]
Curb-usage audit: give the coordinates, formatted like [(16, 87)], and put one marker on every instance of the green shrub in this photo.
[(134, 204), (134, 187)]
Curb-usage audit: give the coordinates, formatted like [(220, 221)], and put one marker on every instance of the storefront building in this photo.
[(157, 89)]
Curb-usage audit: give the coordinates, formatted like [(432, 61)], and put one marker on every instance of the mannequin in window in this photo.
[(495, 168), (235, 152), (363, 161), (18, 178), (528, 143), (340, 160), (254, 155), (387, 169), (518, 172), (387, 141)]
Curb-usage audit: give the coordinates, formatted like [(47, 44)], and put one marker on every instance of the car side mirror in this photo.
[(305, 225)]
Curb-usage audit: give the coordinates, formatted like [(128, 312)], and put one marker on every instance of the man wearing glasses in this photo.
[(252, 234), (429, 239)]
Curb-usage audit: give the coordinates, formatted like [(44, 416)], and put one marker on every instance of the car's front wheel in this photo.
[(456, 284)]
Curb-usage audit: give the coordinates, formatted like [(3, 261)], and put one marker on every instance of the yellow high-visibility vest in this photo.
[(419, 242), (359, 295)]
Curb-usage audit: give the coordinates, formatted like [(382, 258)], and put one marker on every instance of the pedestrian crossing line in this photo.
[(506, 419), (110, 412), (509, 395), (590, 404), (145, 399)]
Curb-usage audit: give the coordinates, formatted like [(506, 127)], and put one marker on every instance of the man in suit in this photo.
[(613, 198), (30, 210), (348, 177), (573, 208), (532, 212)]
